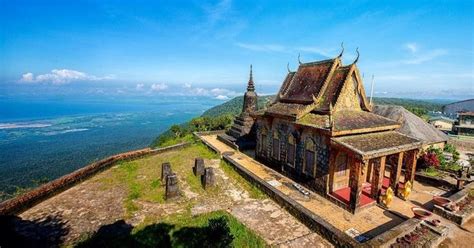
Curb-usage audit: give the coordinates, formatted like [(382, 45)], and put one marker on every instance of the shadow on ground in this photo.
[(119, 234), (45, 232)]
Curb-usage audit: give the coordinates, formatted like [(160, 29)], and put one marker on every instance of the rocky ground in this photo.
[(131, 192)]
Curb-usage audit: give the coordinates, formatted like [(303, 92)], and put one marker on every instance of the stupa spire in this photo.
[(251, 86)]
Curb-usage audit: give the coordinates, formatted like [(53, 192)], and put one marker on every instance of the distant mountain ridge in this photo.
[(234, 106)]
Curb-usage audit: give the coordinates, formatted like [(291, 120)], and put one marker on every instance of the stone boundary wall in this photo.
[(29, 199), (198, 134), (458, 218), (389, 237), (465, 144), (312, 221), (208, 132), (433, 181)]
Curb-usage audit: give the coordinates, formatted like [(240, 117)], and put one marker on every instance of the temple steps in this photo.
[(239, 121)]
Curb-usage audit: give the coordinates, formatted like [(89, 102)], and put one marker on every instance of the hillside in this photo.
[(221, 116), (234, 106)]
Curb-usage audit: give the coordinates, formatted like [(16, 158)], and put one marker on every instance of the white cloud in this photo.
[(412, 47), (187, 85), (317, 50), (222, 97), (425, 57), (217, 12), (139, 86), (219, 93), (396, 78), (262, 47), (159, 87), (61, 76), (27, 78), (284, 49)]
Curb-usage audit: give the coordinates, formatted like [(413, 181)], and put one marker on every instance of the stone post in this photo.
[(165, 171), (172, 189), (198, 168), (209, 178)]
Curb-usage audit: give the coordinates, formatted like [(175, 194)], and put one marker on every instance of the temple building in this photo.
[(321, 132)]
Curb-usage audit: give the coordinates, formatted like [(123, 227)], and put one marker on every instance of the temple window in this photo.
[(291, 150), (276, 145), (309, 157)]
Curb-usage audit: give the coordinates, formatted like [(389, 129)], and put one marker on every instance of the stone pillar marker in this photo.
[(165, 171), (209, 178), (198, 168), (172, 189)]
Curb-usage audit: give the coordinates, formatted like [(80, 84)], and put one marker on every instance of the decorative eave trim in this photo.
[(365, 130), (380, 152), (362, 89), (344, 85)]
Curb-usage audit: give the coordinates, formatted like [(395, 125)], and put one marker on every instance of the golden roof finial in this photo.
[(358, 54), (342, 51)]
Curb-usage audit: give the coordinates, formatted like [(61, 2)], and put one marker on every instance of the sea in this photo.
[(44, 139)]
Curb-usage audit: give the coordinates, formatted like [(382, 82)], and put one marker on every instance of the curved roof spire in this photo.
[(251, 86), (357, 58), (288, 67), (299, 61), (342, 51)]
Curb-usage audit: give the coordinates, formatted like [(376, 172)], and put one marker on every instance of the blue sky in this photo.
[(414, 48)]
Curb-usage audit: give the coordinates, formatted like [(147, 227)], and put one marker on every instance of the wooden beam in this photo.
[(411, 166), (332, 169), (377, 179), (355, 182), (395, 173)]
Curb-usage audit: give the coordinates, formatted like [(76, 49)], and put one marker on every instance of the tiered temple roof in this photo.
[(330, 96), (327, 95)]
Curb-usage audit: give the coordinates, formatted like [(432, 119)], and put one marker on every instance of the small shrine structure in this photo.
[(242, 132)]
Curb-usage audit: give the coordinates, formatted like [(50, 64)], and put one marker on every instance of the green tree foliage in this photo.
[(234, 106), (183, 132)]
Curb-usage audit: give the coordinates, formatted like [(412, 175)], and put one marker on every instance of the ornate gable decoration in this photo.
[(317, 85)]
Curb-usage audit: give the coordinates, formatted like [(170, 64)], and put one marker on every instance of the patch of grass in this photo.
[(175, 141), (253, 190), (141, 177), (155, 183), (215, 229), (430, 171), (243, 237)]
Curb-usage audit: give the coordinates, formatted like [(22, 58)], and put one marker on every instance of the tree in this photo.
[(176, 130)]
